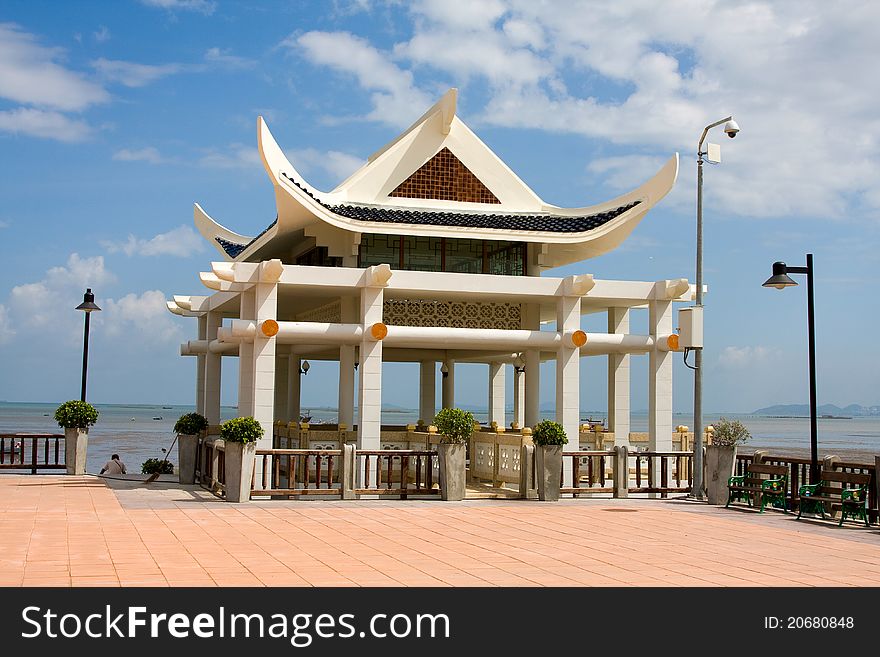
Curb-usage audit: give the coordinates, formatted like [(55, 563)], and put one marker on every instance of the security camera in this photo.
[(731, 128)]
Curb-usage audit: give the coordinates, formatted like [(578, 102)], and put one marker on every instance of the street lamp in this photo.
[(304, 368), (713, 152), (88, 306), (781, 280)]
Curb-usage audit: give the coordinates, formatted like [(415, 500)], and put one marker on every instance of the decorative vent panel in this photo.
[(445, 178)]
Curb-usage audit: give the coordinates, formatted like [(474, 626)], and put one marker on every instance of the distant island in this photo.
[(826, 411)]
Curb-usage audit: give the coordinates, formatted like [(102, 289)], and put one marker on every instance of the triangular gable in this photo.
[(444, 178)]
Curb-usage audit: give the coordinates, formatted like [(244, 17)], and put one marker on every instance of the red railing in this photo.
[(414, 474), (32, 451)]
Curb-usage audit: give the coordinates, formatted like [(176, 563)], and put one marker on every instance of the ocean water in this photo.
[(139, 432)]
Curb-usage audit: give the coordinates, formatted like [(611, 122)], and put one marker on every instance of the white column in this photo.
[(263, 391), (519, 397), (294, 379), (200, 367), (568, 397), (370, 373), (246, 359), (660, 383), (496, 394), (282, 372), (427, 391), (213, 370), (447, 394), (618, 380), (346, 385), (533, 387), (348, 312)]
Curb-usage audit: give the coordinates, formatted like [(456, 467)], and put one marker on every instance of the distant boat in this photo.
[(158, 418), (132, 419), (166, 407)]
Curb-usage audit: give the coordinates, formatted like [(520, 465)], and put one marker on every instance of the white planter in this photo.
[(452, 471), (186, 457), (76, 444), (720, 462), (548, 466), (239, 470)]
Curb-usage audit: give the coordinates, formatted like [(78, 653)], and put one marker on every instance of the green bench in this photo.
[(847, 491), (767, 483)]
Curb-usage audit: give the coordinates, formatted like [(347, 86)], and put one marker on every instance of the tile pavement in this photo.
[(88, 531)]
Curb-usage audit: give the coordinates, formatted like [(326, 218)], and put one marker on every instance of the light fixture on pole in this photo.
[(88, 306), (713, 155), (304, 368), (519, 365), (444, 370), (781, 280)]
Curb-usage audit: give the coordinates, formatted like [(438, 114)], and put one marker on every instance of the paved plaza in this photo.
[(89, 531)]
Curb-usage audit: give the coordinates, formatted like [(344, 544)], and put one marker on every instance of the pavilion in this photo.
[(432, 252)]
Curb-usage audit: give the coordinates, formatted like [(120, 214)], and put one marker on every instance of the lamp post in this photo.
[(88, 306), (304, 368), (730, 128), (781, 280)]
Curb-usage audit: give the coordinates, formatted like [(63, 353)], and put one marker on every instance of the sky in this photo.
[(116, 117)]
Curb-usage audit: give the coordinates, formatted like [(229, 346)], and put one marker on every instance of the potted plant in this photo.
[(241, 435), (721, 457), (76, 417), (188, 427), (548, 437), (455, 427), (152, 466)]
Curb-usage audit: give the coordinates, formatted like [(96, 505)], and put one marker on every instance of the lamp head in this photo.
[(444, 370), (305, 367), (780, 278), (88, 305), (731, 128)]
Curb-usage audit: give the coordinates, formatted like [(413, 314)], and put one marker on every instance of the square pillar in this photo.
[(282, 373), (447, 394), (200, 367), (370, 381), (531, 320), (519, 396), (294, 380), (213, 370), (427, 391), (660, 383), (618, 381), (568, 405), (246, 359), (496, 394), (263, 390), (346, 385)]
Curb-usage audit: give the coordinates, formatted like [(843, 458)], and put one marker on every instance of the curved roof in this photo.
[(438, 179)]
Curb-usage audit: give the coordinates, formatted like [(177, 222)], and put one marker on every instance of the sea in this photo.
[(139, 432)]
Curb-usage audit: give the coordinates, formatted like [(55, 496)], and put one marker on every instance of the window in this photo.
[(466, 256)]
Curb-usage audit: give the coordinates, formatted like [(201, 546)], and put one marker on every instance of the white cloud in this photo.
[(145, 316), (739, 357), (182, 241), (223, 58), (132, 74), (236, 156), (339, 165), (395, 98), (42, 304), (30, 74), (102, 35), (147, 154), (43, 123), (6, 330), (206, 7)]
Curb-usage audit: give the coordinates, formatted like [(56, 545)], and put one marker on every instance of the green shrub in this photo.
[(76, 414), (191, 424), (241, 430), (151, 466), (548, 432), (729, 433), (454, 425)]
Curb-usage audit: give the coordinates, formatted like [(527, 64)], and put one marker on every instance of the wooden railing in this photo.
[(294, 472), (32, 451), (799, 473), (414, 474), (674, 467), (588, 470), (211, 463)]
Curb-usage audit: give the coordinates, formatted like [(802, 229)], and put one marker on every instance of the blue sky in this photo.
[(116, 117)]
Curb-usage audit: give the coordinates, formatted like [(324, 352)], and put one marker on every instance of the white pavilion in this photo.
[(434, 251)]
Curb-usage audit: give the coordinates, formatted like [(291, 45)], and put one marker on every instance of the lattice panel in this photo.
[(508, 462), (454, 314), (329, 312), (445, 178)]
